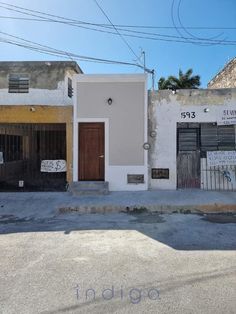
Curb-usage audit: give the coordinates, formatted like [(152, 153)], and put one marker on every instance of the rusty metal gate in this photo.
[(23, 149)]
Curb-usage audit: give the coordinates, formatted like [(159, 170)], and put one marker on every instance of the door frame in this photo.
[(76, 144), (187, 151)]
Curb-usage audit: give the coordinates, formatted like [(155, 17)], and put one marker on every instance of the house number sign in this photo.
[(188, 115)]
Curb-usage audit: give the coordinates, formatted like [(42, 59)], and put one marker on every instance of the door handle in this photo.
[(101, 156)]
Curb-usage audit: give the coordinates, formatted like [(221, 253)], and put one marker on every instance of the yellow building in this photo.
[(36, 123)]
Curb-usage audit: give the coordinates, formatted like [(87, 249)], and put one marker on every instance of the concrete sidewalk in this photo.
[(49, 204)]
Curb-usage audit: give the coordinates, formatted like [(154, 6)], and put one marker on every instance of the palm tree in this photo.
[(184, 81)]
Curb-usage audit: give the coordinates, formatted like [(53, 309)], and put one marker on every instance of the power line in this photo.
[(159, 37), (124, 40), (73, 22), (116, 25), (186, 30), (49, 50)]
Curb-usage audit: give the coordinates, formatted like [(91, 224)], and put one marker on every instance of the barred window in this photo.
[(217, 137), (18, 83)]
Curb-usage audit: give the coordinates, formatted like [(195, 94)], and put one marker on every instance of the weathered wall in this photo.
[(125, 122), (165, 111), (226, 78), (47, 82)]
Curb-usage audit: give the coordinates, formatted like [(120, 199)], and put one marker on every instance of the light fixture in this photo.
[(109, 101), (153, 133), (32, 109), (174, 91), (206, 110), (146, 146)]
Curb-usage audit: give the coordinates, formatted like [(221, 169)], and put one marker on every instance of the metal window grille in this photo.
[(18, 83), (70, 88)]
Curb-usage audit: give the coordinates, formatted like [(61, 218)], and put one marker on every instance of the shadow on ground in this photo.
[(179, 231)]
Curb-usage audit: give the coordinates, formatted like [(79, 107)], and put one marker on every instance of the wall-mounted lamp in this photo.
[(109, 101), (32, 109), (146, 146), (206, 110), (174, 91), (153, 133)]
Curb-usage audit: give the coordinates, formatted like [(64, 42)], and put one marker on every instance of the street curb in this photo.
[(182, 209)]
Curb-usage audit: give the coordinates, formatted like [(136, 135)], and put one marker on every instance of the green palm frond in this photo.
[(184, 81)]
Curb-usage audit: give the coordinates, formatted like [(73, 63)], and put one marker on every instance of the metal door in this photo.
[(23, 148)]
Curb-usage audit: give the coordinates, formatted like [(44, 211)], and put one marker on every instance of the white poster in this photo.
[(227, 117), (1, 158), (221, 158), (58, 165)]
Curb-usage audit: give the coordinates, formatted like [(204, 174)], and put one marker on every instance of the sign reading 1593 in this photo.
[(188, 115)]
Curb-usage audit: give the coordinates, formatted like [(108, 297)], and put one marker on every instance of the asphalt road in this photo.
[(118, 263)]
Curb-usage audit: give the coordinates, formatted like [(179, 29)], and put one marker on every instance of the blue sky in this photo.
[(165, 57)]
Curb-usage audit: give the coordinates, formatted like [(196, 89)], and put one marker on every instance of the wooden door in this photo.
[(188, 169), (188, 158), (91, 151)]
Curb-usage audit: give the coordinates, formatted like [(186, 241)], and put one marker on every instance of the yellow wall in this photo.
[(43, 114)]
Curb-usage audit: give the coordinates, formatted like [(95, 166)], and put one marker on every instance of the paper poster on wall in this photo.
[(1, 158), (221, 158), (58, 165), (227, 117)]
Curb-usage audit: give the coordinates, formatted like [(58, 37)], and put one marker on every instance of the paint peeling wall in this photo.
[(165, 111), (48, 82)]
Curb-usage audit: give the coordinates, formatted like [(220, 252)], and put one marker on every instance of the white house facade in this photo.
[(192, 137)]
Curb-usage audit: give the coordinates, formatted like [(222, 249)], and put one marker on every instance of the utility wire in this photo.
[(157, 36), (124, 25), (116, 25), (28, 44), (192, 36), (161, 37), (76, 22), (124, 40)]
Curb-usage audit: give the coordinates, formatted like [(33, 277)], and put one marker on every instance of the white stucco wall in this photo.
[(125, 124), (165, 111)]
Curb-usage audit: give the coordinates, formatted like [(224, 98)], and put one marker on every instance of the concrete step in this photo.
[(89, 188)]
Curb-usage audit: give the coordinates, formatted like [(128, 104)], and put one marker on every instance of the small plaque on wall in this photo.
[(160, 173), (135, 178)]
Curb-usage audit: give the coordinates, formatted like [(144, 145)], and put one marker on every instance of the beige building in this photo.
[(226, 78), (110, 129)]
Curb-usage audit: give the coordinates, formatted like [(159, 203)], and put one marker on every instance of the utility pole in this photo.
[(144, 60), (146, 70)]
